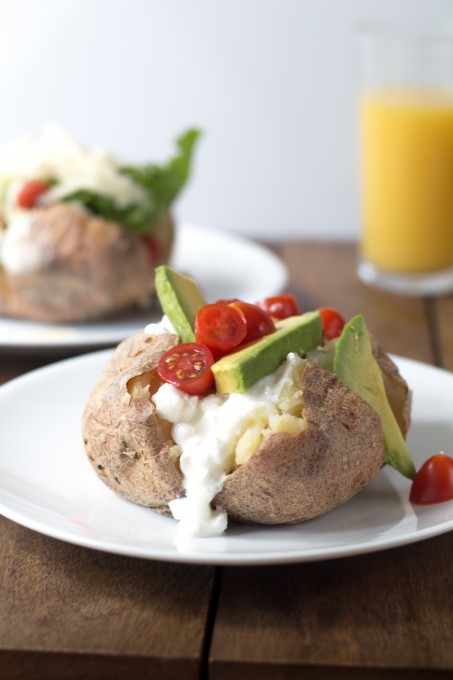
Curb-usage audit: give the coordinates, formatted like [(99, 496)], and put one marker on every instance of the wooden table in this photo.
[(69, 612)]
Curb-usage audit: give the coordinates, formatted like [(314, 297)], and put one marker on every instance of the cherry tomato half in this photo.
[(280, 306), (433, 483), (220, 327), (332, 322), (258, 321), (187, 367), (30, 193)]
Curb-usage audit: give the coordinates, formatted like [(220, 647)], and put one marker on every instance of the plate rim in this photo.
[(261, 558)]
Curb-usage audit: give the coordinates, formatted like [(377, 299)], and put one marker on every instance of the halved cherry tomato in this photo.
[(433, 483), (30, 193), (280, 306), (332, 322), (220, 327), (187, 367), (258, 321)]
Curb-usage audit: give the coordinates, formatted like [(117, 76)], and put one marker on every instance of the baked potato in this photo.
[(319, 452), (83, 267), (80, 234)]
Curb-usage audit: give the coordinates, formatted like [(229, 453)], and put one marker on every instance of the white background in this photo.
[(271, 82)]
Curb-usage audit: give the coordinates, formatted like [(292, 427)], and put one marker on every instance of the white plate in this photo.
[(224, 265), (47, 483)]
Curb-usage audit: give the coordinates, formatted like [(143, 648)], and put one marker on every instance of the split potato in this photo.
[(289, 478), (80, 267)]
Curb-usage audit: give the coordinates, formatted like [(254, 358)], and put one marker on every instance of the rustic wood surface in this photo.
[(69, 612), (111, 615), (384, 615)]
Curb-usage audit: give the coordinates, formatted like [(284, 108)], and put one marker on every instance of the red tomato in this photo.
[(258, 321), (187, 367), (226, 301), (30, 193), (280, 306), (433, 483), (332, 322), (220, 327), (152, 246)]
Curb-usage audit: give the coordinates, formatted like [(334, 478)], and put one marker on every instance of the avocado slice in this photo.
[(180, 299), (239, 371), (356, 367)]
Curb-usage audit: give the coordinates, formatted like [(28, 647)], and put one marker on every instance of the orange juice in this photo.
[(407, 146)]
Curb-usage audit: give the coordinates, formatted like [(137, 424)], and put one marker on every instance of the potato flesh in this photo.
[(279, 407), (287, 417), (143, 387)]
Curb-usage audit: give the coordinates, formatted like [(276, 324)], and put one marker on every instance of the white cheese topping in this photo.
[(55, 155), (161, 327), (207, 431), (19, 254)]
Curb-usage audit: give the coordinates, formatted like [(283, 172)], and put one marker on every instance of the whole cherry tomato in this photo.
[(220, 327), (332, 322), (187, 367), (258, 321), (433, 483), (30, 193), (280, 306)]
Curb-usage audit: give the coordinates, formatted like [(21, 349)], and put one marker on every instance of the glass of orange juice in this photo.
[(406, 127)]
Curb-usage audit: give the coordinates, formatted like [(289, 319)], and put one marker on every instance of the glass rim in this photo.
[(397, 32)]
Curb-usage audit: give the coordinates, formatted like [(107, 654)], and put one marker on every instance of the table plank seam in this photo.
[(211, 618)]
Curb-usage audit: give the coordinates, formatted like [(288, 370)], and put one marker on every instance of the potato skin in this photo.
[(396, 388), (91, 268), (122, 436), (292, 479), (289, 479)]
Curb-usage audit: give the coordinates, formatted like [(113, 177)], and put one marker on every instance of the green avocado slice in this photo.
[(356, 367), (239, 371), (180, 299)]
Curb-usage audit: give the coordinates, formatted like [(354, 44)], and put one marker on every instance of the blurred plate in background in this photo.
[(223, 264)]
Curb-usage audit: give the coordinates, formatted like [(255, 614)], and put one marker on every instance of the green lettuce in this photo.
[(162, 184)]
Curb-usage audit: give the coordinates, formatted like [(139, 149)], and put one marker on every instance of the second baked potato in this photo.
[(81, 234)]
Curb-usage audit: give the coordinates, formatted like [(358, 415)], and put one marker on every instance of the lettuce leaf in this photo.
[(162, 184)]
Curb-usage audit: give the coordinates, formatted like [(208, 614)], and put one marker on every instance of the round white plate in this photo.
[(224, 266), (47, 483)]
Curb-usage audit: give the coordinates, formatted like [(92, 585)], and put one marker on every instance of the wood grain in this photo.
[(369, 616), (444, 320), (70, 612), (13, 365), (388, 615)]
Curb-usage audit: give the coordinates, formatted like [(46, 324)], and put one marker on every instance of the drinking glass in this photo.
[(406, 128)]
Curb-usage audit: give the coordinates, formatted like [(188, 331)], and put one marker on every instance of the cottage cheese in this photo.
[(19, 254), (161, 327), (207, 432), (55, 155)]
